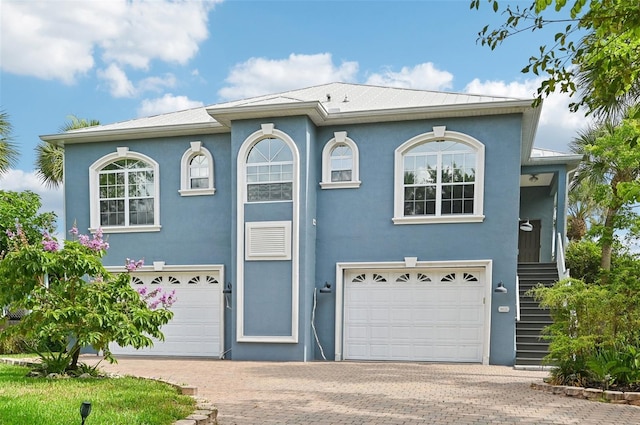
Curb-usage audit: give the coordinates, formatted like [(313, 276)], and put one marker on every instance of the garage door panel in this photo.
[(401, 316), (418, 318), (196, 326), (194, 315), (379, 351), (379, 332)]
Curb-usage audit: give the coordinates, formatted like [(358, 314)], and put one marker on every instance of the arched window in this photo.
[(340, 163), (124, 192), (197, 176), (439, 177), (269, 171)]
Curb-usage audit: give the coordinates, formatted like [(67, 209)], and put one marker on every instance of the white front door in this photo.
[(414, 314), (196, 329)]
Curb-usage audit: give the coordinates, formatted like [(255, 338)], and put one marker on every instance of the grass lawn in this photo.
[(114, 401)]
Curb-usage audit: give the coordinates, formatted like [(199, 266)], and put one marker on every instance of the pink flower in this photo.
[(74, 230), (157, 297), (132, 265), (95, 243), (49, 244)]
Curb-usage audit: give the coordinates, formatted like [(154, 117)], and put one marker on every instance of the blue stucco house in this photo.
[(338, 222)]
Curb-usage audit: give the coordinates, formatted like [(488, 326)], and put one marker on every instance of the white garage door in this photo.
[(196, 328), (415, 315)]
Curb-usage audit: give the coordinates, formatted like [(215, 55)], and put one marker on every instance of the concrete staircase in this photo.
[(530, 347)]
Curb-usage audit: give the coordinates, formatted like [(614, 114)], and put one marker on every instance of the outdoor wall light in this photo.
[(227, 288), (500, 288), (85, 409), (326, 289), (526, 226)]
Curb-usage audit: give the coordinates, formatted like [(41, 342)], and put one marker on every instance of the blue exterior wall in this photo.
[(355, 225), (335, 225), (195, 229), (198, 225), (270, 313), (539, 203)]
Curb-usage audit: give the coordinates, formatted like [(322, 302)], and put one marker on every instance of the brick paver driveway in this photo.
[(374, 393)]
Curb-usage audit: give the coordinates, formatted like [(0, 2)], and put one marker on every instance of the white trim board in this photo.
[(266, 131)]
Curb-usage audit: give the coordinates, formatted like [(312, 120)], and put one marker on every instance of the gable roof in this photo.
[(327, 104)]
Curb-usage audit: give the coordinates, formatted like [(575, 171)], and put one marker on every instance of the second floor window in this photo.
[(126, 193), (269, 171), (199, 172), (439, 179), (341, 164)]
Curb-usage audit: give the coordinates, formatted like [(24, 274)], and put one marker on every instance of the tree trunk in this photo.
[(75, 354)]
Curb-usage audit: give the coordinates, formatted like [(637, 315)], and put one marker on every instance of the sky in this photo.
[(115, 60)]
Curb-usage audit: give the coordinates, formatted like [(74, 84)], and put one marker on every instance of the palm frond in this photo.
[(49, 164), (8, 150)]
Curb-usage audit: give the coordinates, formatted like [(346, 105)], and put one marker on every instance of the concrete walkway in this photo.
[(323, 393)]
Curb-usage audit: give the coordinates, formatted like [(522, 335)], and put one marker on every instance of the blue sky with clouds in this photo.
[(114, 60)]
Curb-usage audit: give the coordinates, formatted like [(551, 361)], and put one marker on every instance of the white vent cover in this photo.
[(268, 240)]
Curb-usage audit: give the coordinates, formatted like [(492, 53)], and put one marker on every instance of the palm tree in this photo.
[(582, 211), (50, 158), (610, 158), (8, 150)]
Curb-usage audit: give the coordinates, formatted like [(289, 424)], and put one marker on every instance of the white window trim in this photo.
[(340, 138), (487, 265), (185, 186), (94, 193), (266, 131), (439, 133)]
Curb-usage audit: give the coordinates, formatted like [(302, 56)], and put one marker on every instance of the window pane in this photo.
[(341, 163), (439, 173), (121, 185), (468, 207), (341, 176), (409, 177), (269, 171), (199, 183), (269, 192), (431, 208), (141, 211), (112, 213)]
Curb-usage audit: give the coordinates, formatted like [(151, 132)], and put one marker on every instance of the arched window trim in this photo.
[(253, 140), (185, 187), (438, 133), (267, 131), (340, 138), (94, 198)]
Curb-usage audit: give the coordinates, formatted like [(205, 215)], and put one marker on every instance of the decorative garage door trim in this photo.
[(197, 329), (410, 276)]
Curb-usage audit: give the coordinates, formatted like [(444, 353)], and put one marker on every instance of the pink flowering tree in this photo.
[(73, 300)]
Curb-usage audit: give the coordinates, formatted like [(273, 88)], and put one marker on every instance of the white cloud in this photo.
[(166, 103), (167, 30), (259, 76), (117, 81), (558, 126), (157, 84), (18, 181), (62, 39), (423, 76), (119, 84)]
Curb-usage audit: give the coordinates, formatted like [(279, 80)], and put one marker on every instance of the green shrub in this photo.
[(583, 260), (595, 333)]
